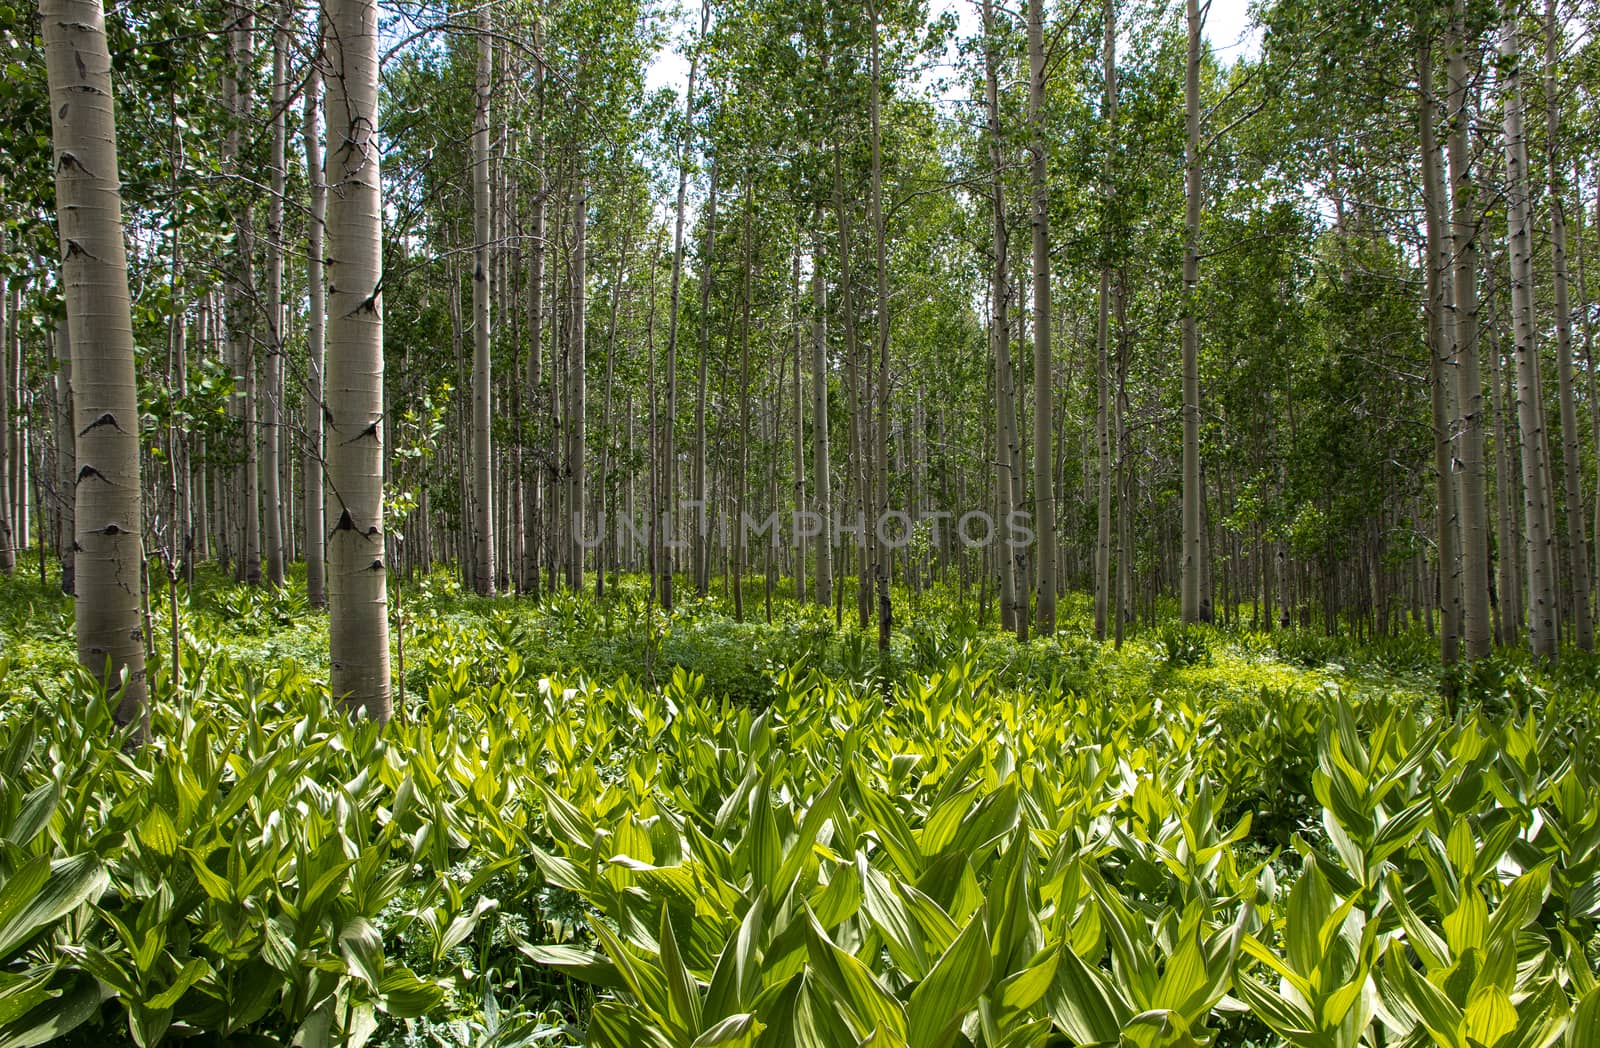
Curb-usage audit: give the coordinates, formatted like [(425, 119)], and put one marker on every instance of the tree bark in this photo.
[(94, 271), (482, 394), (1577, 544), (535, 533), (1194, 603), (578, 407), (358, 600), (1472, 504), (701, 540), (316, 528), (821, 455), (1441, 341), (668, 515), (883, 314), (1102, 546), (8, 559), (272, 423), (1542, 613), (797, 407), (1008, 451), (1044, 498)]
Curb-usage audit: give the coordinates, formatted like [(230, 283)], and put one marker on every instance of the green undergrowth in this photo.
[(600, 825)]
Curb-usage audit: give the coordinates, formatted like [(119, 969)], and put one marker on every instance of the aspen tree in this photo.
[(358, 599), (1577, 545), (94, 270), (1539, 543), (316, 535), (1471, 501), (482, 394), (1193, 600), (1044, 498)]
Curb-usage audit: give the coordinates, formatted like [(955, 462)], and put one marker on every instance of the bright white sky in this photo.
[(1227, 27)]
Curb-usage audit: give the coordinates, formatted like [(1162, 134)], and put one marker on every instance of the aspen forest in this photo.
[(768, 523)]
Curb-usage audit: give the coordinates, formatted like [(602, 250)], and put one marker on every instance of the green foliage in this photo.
[(977, 842)]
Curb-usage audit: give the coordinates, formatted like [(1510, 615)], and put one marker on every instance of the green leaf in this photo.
[(587, 965), (191, 973), (853, 986), (1026, 988), (43, 892), (34, 813), (1584, 1029), (1084, 1004), (939, 1002), (362, 948), (736, 1031), (405, 996), (71, 1000)]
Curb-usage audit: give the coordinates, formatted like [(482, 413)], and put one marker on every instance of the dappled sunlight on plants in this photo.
[(603, 825)]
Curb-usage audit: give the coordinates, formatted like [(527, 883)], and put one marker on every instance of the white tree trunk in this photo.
[(1542, 613), (110, 630), (315, 522), (1044, 496), (358, 599)]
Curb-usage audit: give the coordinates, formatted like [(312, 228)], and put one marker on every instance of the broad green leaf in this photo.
[(43, 892), (939, 1001)]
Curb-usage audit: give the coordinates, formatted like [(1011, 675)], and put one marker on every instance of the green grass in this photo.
[(603, 825)]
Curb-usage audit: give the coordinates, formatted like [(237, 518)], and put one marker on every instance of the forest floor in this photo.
[(594, 823)]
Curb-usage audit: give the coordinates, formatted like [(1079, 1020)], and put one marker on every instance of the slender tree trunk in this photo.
[(1194, 602), (1507, 584), (1102, 546), (1125, 595), (882, 311), (579, 406), (242, 293), (860, 472), (1008, 451), (1577, 545), (358, 600), (1588, 351), (536, 534), (702, 540), (8, 559), (742, 481), (1542, 613), (797, 406), (272, 409), (668, 514), (316, 529), (11, 363), (1472, 504), (1441, 342), (483, 536), (94, 272), (821, 456), (65, 480), (606, 483), (1043, 479)]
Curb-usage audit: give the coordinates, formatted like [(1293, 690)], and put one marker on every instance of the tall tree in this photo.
[(1471, 501), (1102, 417), (1044, 499), (1194, 604), (1542, 613), (1441, 345), (1008, 451), (94, 269), (271, 429), (1577, 546), (882, 312), (482, 393), (315, 522), (358, 598)]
